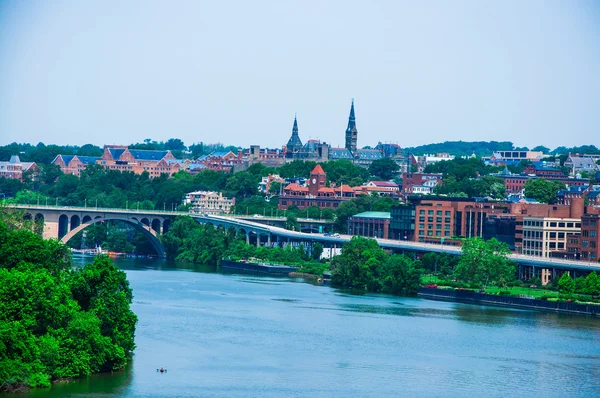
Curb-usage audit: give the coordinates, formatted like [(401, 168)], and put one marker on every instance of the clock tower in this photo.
[(317, 180)]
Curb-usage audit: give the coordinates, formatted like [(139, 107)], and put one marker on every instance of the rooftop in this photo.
[(373, 214)]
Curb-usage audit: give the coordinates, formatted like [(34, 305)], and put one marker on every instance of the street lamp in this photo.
[(85, 203)]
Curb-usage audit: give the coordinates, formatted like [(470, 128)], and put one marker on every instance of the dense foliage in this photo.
[(542, 190), (364, 265), (463, 148), (484, 262), (58, 322)]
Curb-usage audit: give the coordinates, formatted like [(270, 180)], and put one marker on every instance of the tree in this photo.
[(566, 285), (541, 148), (400, 275), (484, 262), (317, 251), (384, 168), (543, 190), (592, 284)]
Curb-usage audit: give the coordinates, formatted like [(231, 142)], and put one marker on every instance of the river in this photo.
[(223, 335)]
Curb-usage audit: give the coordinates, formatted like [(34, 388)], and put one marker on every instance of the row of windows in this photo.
[(437, 219), (437, 212), (592, 223), (552, 224), (437, 233), (587, 233), (437, 226)]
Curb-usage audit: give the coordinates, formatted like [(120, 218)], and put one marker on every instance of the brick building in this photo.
[(14, 168), (316, 193), (74, 164), (118, 157)]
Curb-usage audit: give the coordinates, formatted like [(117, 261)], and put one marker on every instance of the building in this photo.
[(590, 235), (500, 158), (156, 163), (220, 161), (74, 164), (206, 202), (294, 144), (514, 183), (371, 224), (351, 132), (402, 222), (426, 159), (316, 193), (264, 185), (577, 164), (544, 235), (14, 168), (420, 183)]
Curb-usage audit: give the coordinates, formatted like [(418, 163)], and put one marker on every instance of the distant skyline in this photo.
[(110, 72)]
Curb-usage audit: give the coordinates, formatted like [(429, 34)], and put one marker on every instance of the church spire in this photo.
[(294, 143), (351, 131)]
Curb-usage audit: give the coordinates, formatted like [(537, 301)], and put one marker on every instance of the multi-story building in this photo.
[(316, 193), (14, 168), (590, 237), (372, 224), (206, 202), (419, 183), (74, 164), (511, 157), (402, 222), (577, 164), (544, 235), (514, 183), (121, 158), (264, 186), (220, 161)]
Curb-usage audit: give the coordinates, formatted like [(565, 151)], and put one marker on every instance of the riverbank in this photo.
[(470, 297)]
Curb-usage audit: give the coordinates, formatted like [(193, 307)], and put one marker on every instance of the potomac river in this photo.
[(227, 335)]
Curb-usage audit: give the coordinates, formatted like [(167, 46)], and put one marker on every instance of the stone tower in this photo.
[(351, 131), (294, 144)]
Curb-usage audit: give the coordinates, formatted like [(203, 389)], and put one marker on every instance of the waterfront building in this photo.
[(371, 224), (206, 202), (544, 235), (14, 168)]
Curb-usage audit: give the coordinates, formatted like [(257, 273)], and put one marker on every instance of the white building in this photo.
[(209, 202), (543, 235)]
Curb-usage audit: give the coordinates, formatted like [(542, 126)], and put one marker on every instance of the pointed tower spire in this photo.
[(351, 131), (294, 143)]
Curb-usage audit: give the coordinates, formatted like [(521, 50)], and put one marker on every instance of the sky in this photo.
[(236, 72)]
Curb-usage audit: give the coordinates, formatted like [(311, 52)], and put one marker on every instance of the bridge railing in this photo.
[(96, 208)]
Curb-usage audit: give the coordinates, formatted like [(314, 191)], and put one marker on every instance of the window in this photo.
[(422, 218), (561, 235), (438, 226), (430, 212), (438, 233), (429, 226), (429, 233), (447, 219), (438, 213), (429, 219), (421, 233), (447, 212), (552, 235), (438, 219), (447, 227), (421, 226), (421, 211), (577, 225), (584, 243), (446, 233), (592, 234), (569, 225), (553, 224), (561, 225)]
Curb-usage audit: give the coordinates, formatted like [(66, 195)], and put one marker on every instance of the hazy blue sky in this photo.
[(73, 72)]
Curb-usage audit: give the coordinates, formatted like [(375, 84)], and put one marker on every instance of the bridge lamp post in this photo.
[(85, 203), (56, 202), (96, 203), (38, 203), (46, 201), (126, 205)]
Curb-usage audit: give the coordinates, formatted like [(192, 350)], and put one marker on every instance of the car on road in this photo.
[(326, 234), (336, 235)]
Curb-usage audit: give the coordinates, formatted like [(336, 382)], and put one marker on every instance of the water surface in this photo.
[(249, 336)]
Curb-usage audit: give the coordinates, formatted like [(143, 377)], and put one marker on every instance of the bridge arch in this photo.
[(156, 225), (63, 225), (166, 226), (75, 221), (86, 218), (145, 229), (39, 217), (145, 221)]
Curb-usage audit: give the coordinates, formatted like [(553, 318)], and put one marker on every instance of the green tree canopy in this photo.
[(384, 168), (484, 262), (543, 190)]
